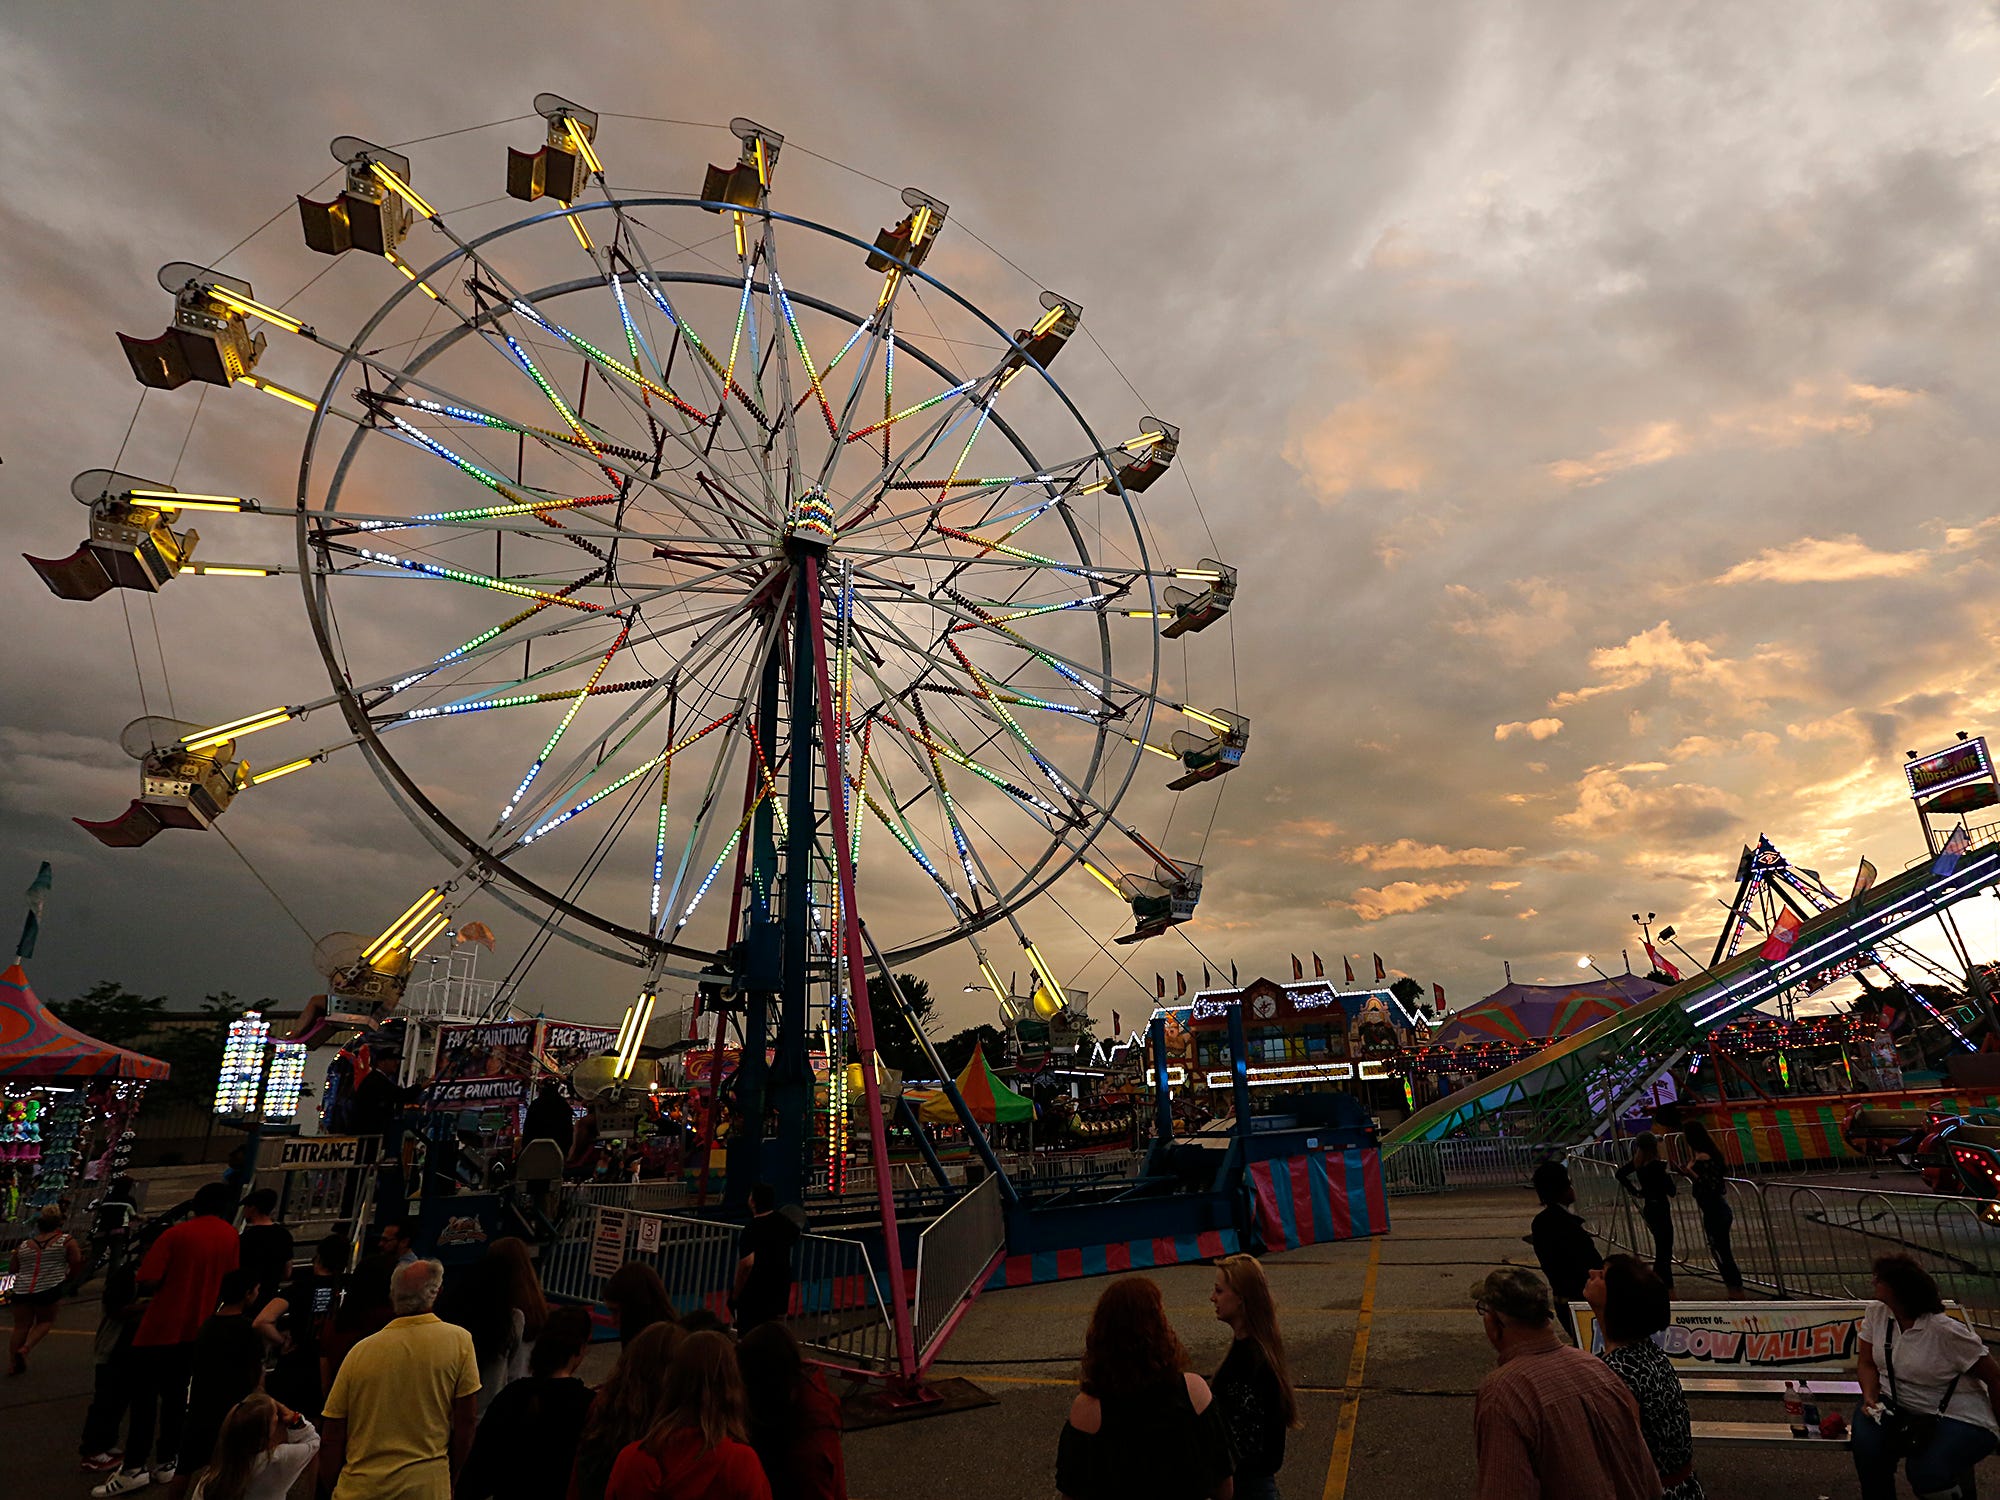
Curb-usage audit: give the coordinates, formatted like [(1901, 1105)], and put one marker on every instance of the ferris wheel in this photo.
[(687, 571)]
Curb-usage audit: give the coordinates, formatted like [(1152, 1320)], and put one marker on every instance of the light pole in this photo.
[(1584, 961), (1667, 936)]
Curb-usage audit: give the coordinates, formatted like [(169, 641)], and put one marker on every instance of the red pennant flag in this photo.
[(1437, 993), (1160, 985), (1661, 964), (1319, 969), (1180, 984), (1298, 969), (1116, 1029), (1784, 932), (1380, 972), (1350, 970)]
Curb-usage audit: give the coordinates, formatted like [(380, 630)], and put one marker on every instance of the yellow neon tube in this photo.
[(582, 234), (1143, 440), (624, 1029), (1049, 320), (993, 979), (1154, 748), (252, 308), (224, 732), (1105, 880), (642, 1012), (1092, 489), (583, 145), (225, 571), (741, 248), (1204, 575), (1055, 991), (191, 501), (285, 770), (271, 388), (402, 189), (1218, 725), (763, 167), (420, 908), (398, 262), (919, 225), (425, 938)]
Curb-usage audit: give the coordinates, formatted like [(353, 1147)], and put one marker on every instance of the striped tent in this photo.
[(34, 1044), (1525, 1014), (985, 1096)]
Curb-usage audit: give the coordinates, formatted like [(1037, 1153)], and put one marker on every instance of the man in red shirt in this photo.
[(1551, 1421), (183, 1272)]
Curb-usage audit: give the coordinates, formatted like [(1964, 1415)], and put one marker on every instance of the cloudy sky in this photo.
[(1591, 395)]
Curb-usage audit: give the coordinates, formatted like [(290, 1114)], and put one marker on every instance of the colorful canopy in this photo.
[(985, 1096), (1529, 1013), (34, 1044)]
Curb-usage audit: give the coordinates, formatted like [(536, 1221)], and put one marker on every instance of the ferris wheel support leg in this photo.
[(744, 1160), (791, 1074), (857, 979)]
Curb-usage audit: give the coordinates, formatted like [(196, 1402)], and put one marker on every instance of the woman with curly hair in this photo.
[(1141, 1423), (625, 1408)]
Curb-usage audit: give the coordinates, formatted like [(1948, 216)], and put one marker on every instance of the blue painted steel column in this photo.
[(1239, 1075), (1163, 1094)]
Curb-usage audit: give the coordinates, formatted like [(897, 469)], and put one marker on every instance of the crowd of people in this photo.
[(221, 1372)]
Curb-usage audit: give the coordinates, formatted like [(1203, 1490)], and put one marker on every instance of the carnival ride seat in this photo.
[(363, 985), (179, 787), (1211, 755), (742, 185), (558, 170), (208, 339), (1194, 613), (1138, 471), (1164, 899), (912, 237), (368, 214), (1060, 318), (131, 545)]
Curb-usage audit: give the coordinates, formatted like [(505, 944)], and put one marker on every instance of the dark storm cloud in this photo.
[(1596, 398)]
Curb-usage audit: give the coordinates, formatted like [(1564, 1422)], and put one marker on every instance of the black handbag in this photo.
[(1905, 1432)]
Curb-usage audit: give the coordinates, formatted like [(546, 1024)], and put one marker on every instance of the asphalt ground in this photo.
[(1384, 1346)]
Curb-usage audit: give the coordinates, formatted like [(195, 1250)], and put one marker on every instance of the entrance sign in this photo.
[(306, 1152)]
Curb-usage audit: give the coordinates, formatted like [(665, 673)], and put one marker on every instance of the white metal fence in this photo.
[(1439, 1166), (1809, 1240), (955, 1255)]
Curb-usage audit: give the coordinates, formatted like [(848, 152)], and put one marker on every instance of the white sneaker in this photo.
[(164, 1473), (122, 1483)]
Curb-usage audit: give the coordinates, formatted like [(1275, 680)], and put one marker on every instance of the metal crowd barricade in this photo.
[(955, 1255), (839, 1308), (1439, 1166), (1795, 1239)]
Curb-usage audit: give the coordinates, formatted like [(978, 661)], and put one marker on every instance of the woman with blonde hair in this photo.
[(699, 1449), (262, 1449), (44, 1262), (1254, 1385), (1142, 1423)]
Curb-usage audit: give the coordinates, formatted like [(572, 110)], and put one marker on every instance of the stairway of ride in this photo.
[(1573, 1088)]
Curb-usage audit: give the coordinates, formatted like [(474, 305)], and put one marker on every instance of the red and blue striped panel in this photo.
[(1106, 1260), (1320, 1196)]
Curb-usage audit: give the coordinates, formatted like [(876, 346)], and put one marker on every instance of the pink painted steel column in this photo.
[(857, 970)]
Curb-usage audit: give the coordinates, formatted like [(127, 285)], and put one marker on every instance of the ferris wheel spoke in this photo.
[(597, 754)]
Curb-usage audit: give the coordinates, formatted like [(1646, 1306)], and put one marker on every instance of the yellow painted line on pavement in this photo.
[(1357, 1367)]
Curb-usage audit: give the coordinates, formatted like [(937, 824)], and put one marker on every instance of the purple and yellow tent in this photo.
[(1531, 1013)]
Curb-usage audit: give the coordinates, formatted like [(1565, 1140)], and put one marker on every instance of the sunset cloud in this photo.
[(1372, 904), (1534, 729), (1840, 559), (1408, 854)]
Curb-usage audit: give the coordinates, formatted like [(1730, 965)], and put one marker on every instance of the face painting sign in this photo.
[(484, 1063), (565, 1044)]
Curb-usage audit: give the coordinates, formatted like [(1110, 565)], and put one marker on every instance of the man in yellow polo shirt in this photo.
[(399, 1418)]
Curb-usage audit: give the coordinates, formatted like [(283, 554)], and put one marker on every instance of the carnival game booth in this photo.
[(69, 1101)]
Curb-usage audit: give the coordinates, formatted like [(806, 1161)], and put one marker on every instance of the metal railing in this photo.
[(653, 1196), (839, 1307), (1797, 1239), (1418, 1167), (955, 1254)]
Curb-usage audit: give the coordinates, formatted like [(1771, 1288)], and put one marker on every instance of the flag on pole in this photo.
[(1864, 878), (1319, 969), (1437, 994), (477, 932), (1380, 972), (1160, 986), (1232, 971), (1661, 964), (38, 900), (1180, 984), (1350, 970), (1784, 932), (1953, 851), (1206, 982), (1298, 969), (1116, 1029)]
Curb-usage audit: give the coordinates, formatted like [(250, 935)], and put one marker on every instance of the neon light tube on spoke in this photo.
[(252, 308), (272, 388), (421, 908), (1042, 970), (170, 500), (1218, 725), (402, 190), (398, 262), (285, 770), (583, 145), (222, 733), (1103, 879)]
